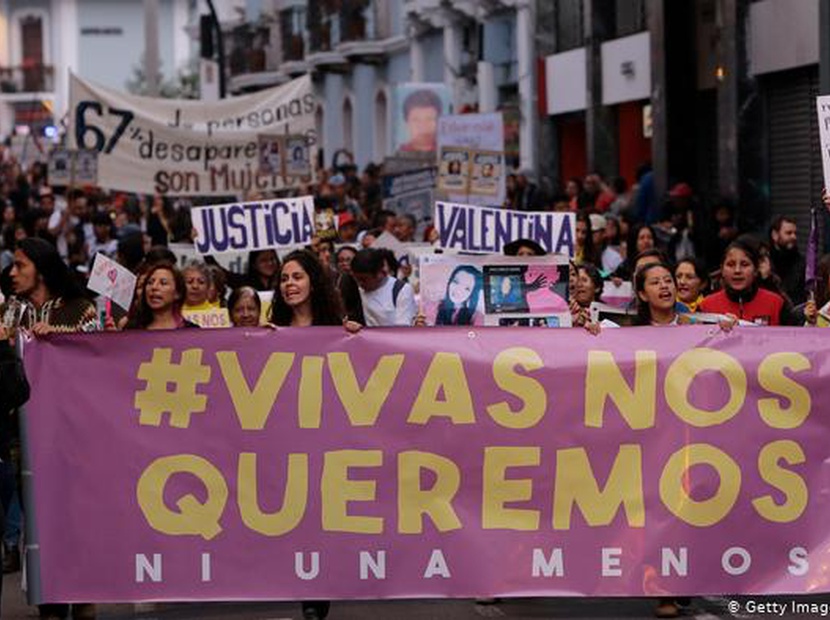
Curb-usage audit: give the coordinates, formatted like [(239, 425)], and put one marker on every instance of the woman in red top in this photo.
[(741, 296)]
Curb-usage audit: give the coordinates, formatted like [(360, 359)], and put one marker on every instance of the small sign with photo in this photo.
[(60, 167), (271, 149), (487, 172), (454, 169), (297, 157), (86, 167)]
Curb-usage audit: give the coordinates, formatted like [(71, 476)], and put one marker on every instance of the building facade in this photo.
[(41, 41), (716, 93), (359, 50)]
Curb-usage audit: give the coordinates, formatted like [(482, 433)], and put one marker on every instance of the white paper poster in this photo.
[(113, 281)]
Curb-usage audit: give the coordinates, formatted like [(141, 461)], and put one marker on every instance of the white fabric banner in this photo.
[(189, 147)]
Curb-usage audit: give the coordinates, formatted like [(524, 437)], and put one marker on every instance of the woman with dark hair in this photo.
[(49, 298), (11, 237), (263, 270), (461, 298), (160, 220), (741, 295), (656, 294), (244, 307), (585, 250), (262, 274), (587, 289), (343, 259), (692, 283), (641, 238), (160, 300), (306, 295)]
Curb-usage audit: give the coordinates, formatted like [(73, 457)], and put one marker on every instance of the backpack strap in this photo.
[(396, 289)]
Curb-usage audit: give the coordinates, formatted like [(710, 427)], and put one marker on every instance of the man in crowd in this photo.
[(343, 203), (787, 261), (405, 226), (387, 301)]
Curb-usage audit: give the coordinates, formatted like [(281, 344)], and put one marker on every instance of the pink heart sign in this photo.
[(112, 274)]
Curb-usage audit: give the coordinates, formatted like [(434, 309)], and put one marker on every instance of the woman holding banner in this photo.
[(245, 307), (197, 280), (587, 289), (692, 283), (741, 295), (306, 297)]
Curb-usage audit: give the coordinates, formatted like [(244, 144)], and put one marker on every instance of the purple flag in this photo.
[(812, 252)]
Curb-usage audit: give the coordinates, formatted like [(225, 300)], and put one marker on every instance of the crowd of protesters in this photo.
[(685, 260)]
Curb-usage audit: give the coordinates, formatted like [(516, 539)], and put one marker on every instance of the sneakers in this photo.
[(11, 559)]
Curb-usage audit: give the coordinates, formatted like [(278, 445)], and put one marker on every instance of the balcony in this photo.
[(252, 60), (293, 41), (27, 79)]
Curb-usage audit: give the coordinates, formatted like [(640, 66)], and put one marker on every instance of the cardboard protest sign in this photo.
[(60, 167), (113, 281), (469, 228), (244, 227), (271, 159), (454, 169), (188, 148), (297, 157), (482, 135), (86, 167), (823, 109), (483, 290), (487, 175), (235, 262), (67, 167), (621, 296), (215, 318), (413, 193)]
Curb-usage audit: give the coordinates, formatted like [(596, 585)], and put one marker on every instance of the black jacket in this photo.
[(14, 389)]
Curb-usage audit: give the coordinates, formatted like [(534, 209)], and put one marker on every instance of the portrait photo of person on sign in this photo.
[(419, 107)]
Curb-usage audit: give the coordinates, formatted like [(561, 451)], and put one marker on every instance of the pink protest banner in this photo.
[(445, 462)]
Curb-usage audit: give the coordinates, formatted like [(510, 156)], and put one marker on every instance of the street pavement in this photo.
[(14, 608)]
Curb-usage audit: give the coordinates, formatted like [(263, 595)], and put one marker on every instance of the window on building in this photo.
[(292, 29), (631, 17), (569, 25)]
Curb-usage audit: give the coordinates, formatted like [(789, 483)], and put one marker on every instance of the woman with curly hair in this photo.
[(305, 295)]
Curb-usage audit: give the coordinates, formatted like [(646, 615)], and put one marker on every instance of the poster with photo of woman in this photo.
[(271, 150), (477, 290), (297, 157)]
